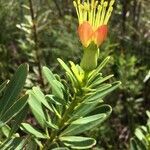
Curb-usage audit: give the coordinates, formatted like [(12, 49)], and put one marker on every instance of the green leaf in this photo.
[(104, 62), (107, 109), (53, 100), (139, 134), (60, 148), (133, 145), (84, 108), (13, 88), (83, 124), (31, 145), (36, 108), (68, 71), (35, 104), (78, 142), (51, 125), (18, 120), (103, 87), (103, 92), (92, 75), (40, 96), (148, 114), (97, 76), (13, 144), (56, 85), (14, 109), (2, 86), (6, 130), (99, 81), (78, 72), (29, 129)]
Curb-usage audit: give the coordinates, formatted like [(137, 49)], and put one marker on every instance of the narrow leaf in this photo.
[(13, 88), (14, 109), (83, 124), (29, 129), (78, 142), (56, 85)]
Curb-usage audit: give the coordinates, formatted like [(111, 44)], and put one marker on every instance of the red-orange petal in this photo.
[(100, 35), (85, 32)]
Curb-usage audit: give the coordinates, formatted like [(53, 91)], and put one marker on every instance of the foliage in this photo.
[(70, 110), (141, 141), (12, 109)]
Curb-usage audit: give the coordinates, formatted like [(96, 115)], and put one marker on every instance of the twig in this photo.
[(36, 41)]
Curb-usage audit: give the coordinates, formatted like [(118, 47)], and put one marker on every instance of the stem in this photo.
[(61, 124), (35, 36), (67, 112)]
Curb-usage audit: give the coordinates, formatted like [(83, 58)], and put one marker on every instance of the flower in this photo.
[(93, 17)]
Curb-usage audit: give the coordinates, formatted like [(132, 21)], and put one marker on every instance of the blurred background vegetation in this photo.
[(39, 31)]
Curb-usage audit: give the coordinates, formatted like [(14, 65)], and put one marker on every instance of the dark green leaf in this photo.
[(18, 120), (13, 144), (2, 86), (14, 109), (13, 88)]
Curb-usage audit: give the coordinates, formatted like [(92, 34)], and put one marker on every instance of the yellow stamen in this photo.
[(95, 12), (98, 16), (109, 11), (85, 11), (76, 7), (103, 13), (80, 13), (108, 15)]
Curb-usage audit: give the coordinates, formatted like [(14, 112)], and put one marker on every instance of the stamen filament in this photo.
[(108, 15), (98, 16), (103, 13)]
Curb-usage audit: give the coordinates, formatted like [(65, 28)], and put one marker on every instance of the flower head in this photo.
[(93, 17)]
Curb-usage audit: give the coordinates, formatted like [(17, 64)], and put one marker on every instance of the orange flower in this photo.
[(93, 18), (85, 32)]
